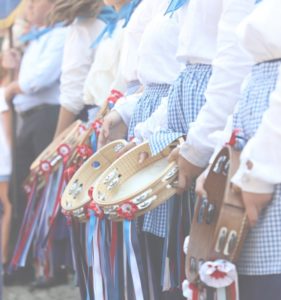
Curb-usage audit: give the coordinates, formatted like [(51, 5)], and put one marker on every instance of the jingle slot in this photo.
[(221, 240), (210, 213), (230, 243), (218, 168), (201, 212), (146, 203), (192, 265)]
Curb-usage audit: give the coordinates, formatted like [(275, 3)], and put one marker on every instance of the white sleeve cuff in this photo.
[(199, 159), (248, 183)]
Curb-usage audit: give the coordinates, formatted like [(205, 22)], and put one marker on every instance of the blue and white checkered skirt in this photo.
[(147, 104), (186, 97), (261, 253)]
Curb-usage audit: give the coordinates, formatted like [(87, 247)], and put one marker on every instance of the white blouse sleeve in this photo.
[(230, 67), (260, 160), (126, 106), (77, 60), (156, 122)]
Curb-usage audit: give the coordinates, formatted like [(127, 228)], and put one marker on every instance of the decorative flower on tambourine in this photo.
[(45, 166), (218, 274), (84, 151), (96, 125), (127, 210), (98, 212), (64, 150)]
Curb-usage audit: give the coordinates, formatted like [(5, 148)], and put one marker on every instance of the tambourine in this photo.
[(60, 147), (76, 200), (219, 225), (128, 189)]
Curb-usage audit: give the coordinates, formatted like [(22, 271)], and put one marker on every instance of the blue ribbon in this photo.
[(35, 33), (94, 142), (175, 5), (110, 17)]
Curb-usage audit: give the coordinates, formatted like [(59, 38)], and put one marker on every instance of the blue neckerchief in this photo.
[(36, 33), (110, 17), (175, 5)]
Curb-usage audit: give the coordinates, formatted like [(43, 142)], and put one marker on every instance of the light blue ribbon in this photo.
[(175, 5), (110, 17), (35, 33)]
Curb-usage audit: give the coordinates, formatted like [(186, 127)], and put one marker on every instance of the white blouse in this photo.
[(77, 60), (157, 61), (133, 35), (230, 67), (199, 27), (105, 73)]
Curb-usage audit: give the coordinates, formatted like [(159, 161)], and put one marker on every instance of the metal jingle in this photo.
[(140, 198), (73, 187), (111, 176), (218, 168), (171, 173), (201, 212), (192, 265), (221, 240), (231, 243), (146, 203), (118, 147), (113, 183), (78, 191), (210, 213)]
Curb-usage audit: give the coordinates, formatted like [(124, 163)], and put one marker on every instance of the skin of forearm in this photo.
[(66, 118)]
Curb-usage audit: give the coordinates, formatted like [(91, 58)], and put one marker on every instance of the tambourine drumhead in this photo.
[(75, 194), (127, 180), (69, 136)]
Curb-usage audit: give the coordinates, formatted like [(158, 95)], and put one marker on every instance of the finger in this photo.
[(101, 139), (142, 157), (252, 214), (181, 183), (199, 189), (174, 155)]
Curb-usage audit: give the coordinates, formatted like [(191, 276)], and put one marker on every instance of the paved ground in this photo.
[(66, 292)]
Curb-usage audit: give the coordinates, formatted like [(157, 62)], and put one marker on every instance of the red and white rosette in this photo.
[(220, 274)]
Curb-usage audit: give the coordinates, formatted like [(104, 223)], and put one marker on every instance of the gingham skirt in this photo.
[(185, 99), (147, 104), (261, 253)]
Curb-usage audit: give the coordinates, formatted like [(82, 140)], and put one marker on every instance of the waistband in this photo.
[(156, 88), (29, 112)]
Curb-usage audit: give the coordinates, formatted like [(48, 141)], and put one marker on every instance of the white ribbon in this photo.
[(97, 275)]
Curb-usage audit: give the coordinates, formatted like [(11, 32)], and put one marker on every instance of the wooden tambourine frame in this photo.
[(76, 197), (128, 189), (219, 224)]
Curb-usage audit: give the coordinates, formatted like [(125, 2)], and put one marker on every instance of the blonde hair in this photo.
[(68, 10)]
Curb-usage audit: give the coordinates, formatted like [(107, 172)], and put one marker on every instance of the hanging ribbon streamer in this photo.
[(175, 5), (132, 260)]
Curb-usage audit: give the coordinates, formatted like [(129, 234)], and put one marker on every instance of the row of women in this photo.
[(196, 68)]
